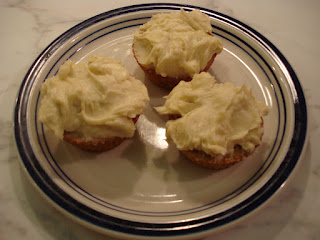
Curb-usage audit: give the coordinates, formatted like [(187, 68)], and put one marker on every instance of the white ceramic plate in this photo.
[(145, 187)]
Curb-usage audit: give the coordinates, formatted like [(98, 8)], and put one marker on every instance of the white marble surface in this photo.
[(28, 26)]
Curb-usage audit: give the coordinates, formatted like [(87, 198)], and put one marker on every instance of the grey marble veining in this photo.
[(28, 26)]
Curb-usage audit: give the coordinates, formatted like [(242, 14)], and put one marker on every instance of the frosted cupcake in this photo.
[(215, 125), (174, 46), (93, 105)]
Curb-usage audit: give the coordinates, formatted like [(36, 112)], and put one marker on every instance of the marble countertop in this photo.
[(28, 26)]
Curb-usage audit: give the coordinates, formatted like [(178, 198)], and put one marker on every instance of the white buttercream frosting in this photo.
[(176, 44), (92, 99), (215, 117)]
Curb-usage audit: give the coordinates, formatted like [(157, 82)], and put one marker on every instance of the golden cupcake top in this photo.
[(176, 44), (92, 99), (215, 117)]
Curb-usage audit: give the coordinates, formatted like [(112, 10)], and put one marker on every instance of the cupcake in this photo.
[(174, 46), (93, 105), (214, 125)]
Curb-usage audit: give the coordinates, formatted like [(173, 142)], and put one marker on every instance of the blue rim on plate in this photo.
[(174, 228)]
